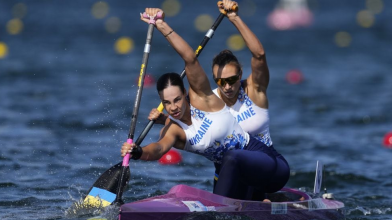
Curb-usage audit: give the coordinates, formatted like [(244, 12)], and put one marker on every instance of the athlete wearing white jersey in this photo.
[(252, 118), (211, 134), (243, 161), (247, 98), (237, 94)]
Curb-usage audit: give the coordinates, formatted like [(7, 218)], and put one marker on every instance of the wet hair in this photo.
[(170, 79), (226, 57)]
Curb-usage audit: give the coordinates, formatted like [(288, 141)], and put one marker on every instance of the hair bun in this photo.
[(226, 51)]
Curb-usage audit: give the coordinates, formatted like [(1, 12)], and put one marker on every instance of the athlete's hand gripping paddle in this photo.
[(109, 187), (222, 8)]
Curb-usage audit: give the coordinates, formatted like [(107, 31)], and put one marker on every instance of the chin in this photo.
[(232, 96), (229, 96)]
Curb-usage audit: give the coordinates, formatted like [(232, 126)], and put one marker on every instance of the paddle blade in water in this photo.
[(103, 192)]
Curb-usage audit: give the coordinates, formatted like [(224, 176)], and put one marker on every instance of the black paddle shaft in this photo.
[(199, 49), (123, 181), (141, 81)]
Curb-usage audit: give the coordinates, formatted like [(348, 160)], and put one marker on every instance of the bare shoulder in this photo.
[(209, 102)]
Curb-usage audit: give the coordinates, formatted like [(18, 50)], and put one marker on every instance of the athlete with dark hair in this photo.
[(200, 122)]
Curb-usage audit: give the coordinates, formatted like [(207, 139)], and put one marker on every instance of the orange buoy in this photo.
[(170, 158)]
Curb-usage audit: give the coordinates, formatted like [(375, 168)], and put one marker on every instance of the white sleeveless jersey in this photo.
[(252, 118), (213, 133)]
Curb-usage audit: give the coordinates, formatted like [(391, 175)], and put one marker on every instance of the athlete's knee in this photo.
[(279, 180), (230, 157)]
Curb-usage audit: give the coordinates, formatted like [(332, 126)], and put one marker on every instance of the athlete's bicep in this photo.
[(260, 74)]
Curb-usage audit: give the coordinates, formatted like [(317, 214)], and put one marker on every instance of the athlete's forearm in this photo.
[(251, 41), (197, 78), (153, 151), (177, 42)]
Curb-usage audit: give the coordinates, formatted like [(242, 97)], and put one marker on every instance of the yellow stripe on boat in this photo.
[(97, 218), (96, 201), (99, 197)]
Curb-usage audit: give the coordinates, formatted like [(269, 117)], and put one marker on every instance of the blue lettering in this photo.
[(252, 111), (201, 132), (239, 119), (247, 114), (208, 121), (197, 137), (205, 126)]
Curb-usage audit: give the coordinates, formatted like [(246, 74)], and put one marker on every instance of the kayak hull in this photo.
[(185, 202)]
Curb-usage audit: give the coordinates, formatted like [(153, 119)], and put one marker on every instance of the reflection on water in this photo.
[(68, 73)]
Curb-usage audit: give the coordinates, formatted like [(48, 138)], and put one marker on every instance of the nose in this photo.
[(173, 107), (227, 86)]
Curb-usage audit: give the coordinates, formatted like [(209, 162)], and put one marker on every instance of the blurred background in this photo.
[(68, 73)]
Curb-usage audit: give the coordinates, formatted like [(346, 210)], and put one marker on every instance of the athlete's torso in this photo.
[(211, 134), (252, 118)]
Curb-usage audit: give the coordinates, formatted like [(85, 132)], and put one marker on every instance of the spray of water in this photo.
[(81, 208), (369, 211)]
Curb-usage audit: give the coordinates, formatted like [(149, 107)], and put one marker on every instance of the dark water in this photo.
[(66, 101)]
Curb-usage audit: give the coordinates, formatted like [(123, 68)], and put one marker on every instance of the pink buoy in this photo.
[(294, 77), (280, 19), (304, 17), (290, 14)]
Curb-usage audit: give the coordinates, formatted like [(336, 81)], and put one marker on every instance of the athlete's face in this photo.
[(228, 79), (173, 99)]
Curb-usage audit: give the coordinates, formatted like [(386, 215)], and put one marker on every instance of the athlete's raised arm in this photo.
[(200, 93), (259, 78)]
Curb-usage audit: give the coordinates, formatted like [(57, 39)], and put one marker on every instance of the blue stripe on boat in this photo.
[(103, 194)]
